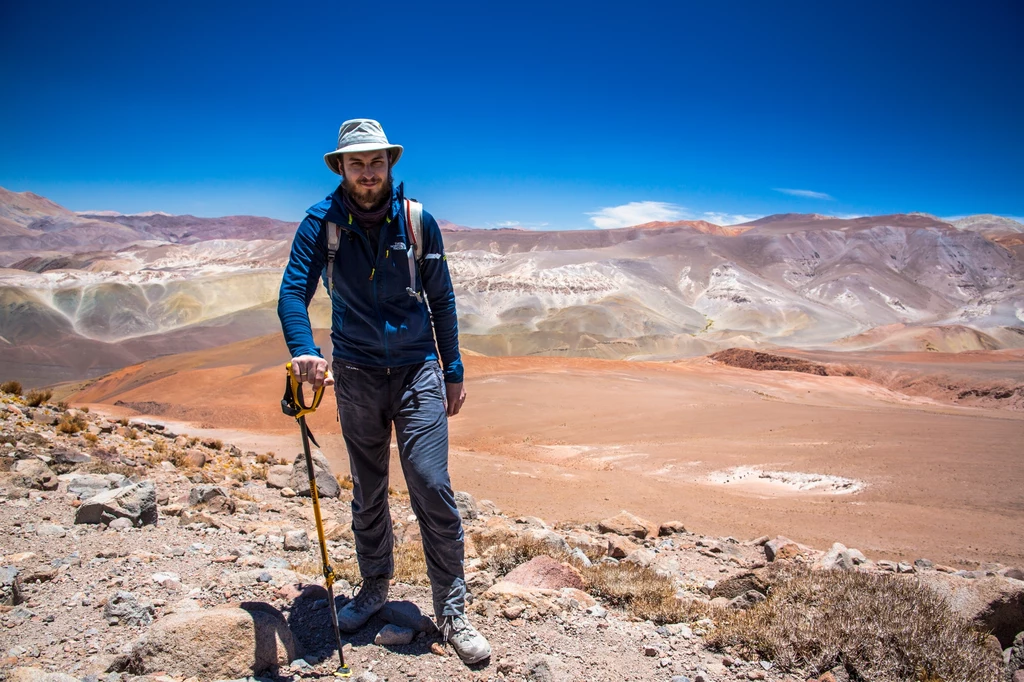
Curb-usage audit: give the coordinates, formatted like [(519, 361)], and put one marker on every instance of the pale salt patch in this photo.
[(757, 480)]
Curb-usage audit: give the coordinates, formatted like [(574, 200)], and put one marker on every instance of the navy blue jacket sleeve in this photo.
[(301, 277), (437, 284)]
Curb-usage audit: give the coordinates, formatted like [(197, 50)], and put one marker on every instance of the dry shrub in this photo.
[(6, 463), (101, 468), (91, 438), (641, 592), (881, 627), (123, 421), (411, 564), (504, 554), (12, 387), (214, 443), (159, 445), (258, 472), (37, 398), (71, 425), (84, 409), (345, 482), (265, 458)]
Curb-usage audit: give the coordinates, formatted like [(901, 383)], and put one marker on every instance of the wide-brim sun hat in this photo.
[(361, 135)]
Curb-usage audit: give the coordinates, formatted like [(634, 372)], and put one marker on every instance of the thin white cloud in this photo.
[(635, 213), (506, 224), (719, 218), (805, 193)]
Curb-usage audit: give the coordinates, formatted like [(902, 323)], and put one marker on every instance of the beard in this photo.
[(369, 198)]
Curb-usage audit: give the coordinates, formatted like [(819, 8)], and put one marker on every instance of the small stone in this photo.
[(392, 635), (513, 612), (296, 541), (651, 651), (438, 650), (50, 530), (287, 492), (121, 524), (466, 505), (671, 528)]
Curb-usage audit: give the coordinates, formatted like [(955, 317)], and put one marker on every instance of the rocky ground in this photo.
[(131, 553)]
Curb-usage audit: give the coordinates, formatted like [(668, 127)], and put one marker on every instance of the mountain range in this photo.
[(82, 294)]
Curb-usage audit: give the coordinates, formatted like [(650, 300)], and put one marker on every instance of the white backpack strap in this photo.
[(333, 238), (414, 235), (414, 225)]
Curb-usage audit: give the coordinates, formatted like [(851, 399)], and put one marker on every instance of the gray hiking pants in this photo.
[(370, 400)]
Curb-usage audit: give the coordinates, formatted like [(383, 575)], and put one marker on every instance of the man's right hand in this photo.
[(313, 370)]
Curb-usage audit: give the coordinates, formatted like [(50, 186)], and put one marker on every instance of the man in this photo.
[(385, 369)]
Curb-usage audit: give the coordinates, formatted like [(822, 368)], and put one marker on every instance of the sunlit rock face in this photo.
[(86, 293)]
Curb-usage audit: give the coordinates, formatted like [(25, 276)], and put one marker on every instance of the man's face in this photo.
[(366, 176)]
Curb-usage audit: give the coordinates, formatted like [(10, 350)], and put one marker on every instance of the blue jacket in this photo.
[(374, 321)]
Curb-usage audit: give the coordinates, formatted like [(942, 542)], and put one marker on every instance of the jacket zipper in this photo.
[(374, 284)]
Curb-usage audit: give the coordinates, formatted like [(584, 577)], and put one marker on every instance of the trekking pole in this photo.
[(293, 405)]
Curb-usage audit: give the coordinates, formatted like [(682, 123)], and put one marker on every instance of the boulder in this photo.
[(136, 502), (405, 614), (195, 459), (550, 538), (628, 524), (467, 506), (393, 635), (1016, 657), (730, 588), (127, 609), (640, 557), (296, 541), (212, 497), (10, 587), (545, 572), (279, 476), (85, 486), (68, 457), (326, 484), (220, 643), (994, 604), (620, 547), (841, 558), (746, 600), (781, 548), (32, 473), (671, 528)]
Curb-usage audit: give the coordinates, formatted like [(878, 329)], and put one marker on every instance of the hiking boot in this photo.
[(372, 596), (469, 644)]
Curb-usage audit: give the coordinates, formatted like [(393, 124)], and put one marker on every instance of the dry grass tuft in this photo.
[(503, 555), (345, 481), (410, 566), (71, 425), (91, 438), (101, 468), (641, 592), (37, 398), (882, 627), (160, 445), (12, 387)]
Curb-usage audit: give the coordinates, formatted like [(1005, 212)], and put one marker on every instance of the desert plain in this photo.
[(729, 451)]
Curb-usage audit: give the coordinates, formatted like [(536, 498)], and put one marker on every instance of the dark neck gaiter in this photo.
[(367, 219)]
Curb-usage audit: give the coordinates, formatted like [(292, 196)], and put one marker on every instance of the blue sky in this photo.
[(544, 115)]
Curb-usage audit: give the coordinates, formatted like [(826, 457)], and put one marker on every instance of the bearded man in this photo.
[(390, 323)]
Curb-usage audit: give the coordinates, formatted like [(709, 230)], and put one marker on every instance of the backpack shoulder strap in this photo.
[(414, 226), (333, 238)]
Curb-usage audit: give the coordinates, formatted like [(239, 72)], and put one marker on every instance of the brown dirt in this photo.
[(750, 359), (576, 439)]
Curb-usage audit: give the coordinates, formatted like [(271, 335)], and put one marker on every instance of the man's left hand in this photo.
[(455, 396)]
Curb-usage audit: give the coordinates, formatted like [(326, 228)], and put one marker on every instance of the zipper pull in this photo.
[(389, 371), (374, 270)]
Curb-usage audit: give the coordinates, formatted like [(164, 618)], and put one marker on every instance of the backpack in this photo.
[(414, 236)]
